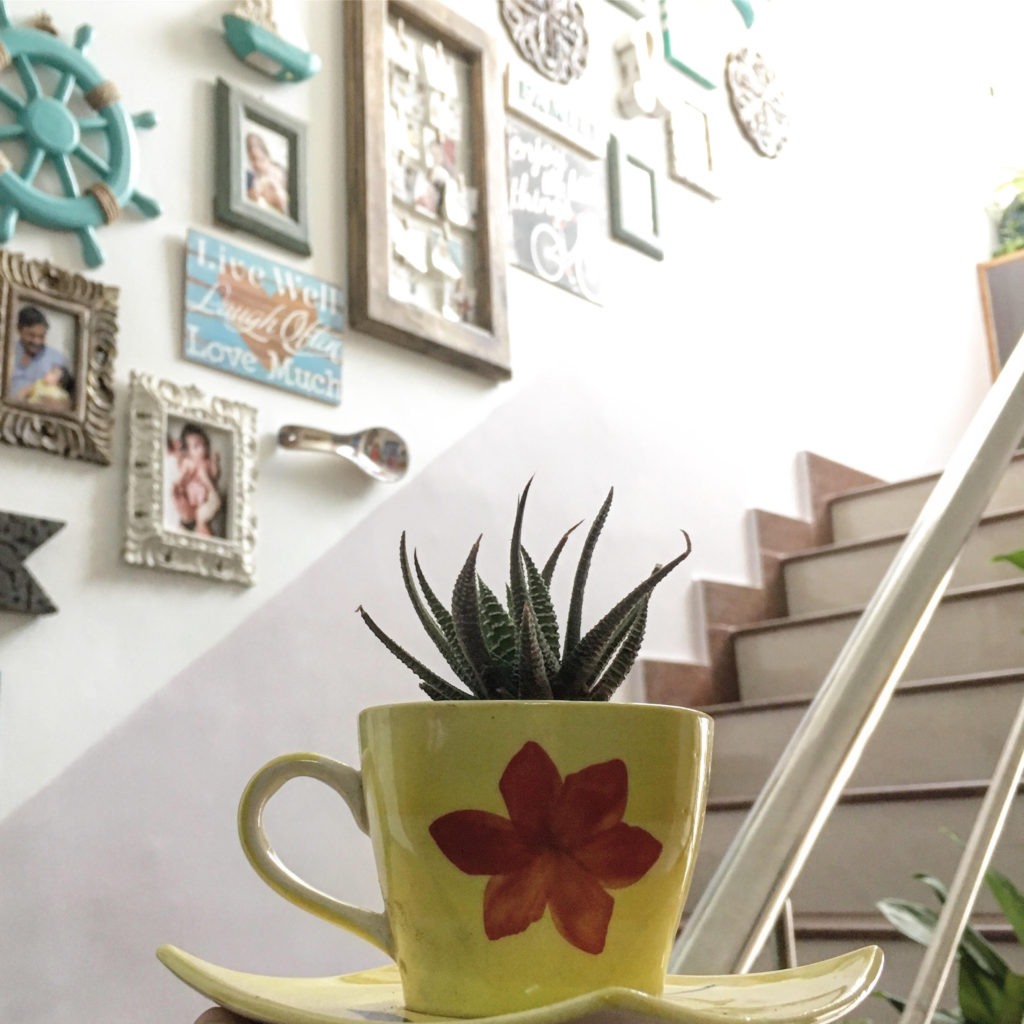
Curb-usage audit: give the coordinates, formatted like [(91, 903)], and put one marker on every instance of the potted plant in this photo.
[(514, 651), (534, 841), (988, 991)]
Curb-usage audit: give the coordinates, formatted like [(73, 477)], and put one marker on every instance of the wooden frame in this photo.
[(75, 321), (634, 210), (1001, 282), (191, 476), (277, 212), (479, 339)]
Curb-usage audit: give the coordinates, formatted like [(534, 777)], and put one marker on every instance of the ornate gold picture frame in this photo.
[(58, 334)]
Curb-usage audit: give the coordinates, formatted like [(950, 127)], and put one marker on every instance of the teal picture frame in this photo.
[(239, 116), (634, 211)]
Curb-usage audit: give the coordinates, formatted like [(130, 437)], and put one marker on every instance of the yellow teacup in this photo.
[(527, 851)]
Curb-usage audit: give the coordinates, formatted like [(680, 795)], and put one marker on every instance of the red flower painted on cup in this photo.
[(561, 847)]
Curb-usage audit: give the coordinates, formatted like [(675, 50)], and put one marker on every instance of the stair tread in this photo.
[(810, 924), (880, 794), (958, 593), (916, 686), (886, 538), (894, 485)]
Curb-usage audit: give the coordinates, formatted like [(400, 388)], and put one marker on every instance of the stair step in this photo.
[(965, 720), (882, 509), (873, 843), (846, 575), (975, 629)]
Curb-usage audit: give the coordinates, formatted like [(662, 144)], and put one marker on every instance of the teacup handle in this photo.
[(346, 781)]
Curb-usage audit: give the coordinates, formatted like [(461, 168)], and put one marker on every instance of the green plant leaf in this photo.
[(468, 626), (627, 653), (917, 922), (584, 662), (1014, 557), (909, 918), (539, 597), (516, 580), (1009, 898), (499, 632), (983, 1000), (533, 677), (444, 621), (579, 583), (445, 643), (549, 566), (431, 683)]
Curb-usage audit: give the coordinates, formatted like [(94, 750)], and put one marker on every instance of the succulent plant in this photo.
[(513, 651)]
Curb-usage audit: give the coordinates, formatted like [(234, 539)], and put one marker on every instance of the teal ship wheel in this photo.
[(50, 131)]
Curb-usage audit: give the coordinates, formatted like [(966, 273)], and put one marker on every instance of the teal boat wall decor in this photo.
[(695, 35), (252, 34), (50, 132)]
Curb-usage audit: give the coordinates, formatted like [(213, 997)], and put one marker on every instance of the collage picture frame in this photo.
[(262, 170), (428, 209), (191, 478), (58, 341)]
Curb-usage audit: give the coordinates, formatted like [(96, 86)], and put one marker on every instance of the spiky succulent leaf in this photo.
[(516, 579), (499, 632), (539, 597), (431, 683), (579, 583), (443, 617), (549, 566), (612, 677), (582, 664), (447, 644), (466, 616), (532, 676)]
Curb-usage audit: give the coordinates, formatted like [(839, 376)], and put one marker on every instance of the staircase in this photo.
[(926, 767)]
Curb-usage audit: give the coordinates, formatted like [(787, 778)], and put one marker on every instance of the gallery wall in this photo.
[(826, 302)]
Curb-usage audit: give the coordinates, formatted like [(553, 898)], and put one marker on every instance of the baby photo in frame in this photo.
[(261, 171), (191, 477), (57, 349)]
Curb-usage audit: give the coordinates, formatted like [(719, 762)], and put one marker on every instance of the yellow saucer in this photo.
[(811, 994)]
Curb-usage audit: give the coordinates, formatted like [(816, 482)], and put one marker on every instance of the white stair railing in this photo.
[(745, 896)]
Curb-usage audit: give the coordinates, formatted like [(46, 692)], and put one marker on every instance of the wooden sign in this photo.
[(263, 320)]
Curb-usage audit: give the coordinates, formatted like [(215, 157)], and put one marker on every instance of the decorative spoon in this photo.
[(377, 451)]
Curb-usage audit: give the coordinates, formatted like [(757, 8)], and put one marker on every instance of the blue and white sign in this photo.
[(259, 319)]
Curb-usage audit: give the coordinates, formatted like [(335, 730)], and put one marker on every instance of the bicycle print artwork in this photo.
[(558, 207)]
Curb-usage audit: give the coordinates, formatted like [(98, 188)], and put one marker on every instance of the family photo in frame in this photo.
[(57, 346)]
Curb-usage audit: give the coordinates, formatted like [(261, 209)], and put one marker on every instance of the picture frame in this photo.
[(58, 342), (428, 206), (262, 170), (1001, 283), (690, 162), (633, 201), (191, 478)]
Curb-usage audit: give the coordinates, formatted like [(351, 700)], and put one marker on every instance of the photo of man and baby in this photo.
[(197, 471), (266, 168), (42, 360)]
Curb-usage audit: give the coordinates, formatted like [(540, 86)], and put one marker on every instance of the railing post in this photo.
[(963, 890)]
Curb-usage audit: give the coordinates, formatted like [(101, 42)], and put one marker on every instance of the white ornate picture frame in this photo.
[(191, 477), (689, 149)]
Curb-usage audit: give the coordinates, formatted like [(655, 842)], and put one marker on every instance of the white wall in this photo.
[(827, 303)]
